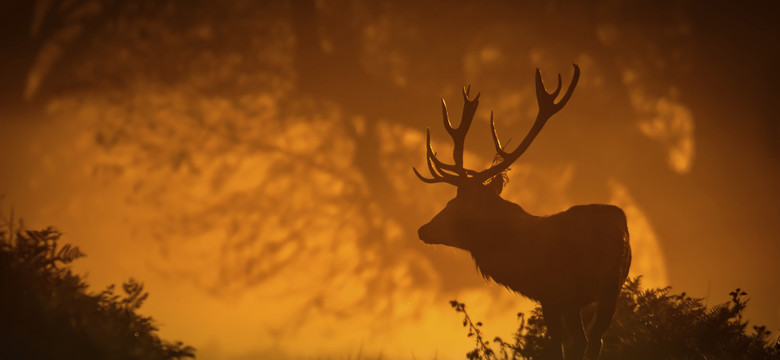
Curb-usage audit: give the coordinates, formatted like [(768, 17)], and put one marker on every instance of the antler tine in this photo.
[(446, 118), (466, 90), (440, 165), (575, 78), (546, 101), (425, 179), (496, 141), (435, 166), (459, 134), (547, 108), (557, 89), (435, 177), (469, 109)]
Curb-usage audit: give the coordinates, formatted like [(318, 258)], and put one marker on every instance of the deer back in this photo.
[(572, 255)]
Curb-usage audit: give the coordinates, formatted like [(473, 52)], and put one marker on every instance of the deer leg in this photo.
[(577, 332), (603, 317), (552, 318)]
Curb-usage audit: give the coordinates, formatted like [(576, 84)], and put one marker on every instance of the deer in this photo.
[(565, 262)]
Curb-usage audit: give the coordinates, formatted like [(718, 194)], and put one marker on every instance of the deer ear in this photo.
[(497, 184)]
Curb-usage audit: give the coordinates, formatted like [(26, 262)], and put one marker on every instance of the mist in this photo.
[(251, 162)]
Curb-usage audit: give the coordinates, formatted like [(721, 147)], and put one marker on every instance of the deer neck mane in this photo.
[(504, 224), (498, 244)]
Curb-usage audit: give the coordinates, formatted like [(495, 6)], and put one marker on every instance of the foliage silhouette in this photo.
[(648, 324), (47, 312)]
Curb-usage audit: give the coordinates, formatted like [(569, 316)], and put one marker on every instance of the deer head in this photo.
[(478, 203)]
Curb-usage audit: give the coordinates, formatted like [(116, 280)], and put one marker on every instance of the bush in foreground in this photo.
[(648, 324), (47, 313)]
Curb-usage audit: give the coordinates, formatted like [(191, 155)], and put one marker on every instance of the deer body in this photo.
[(564, 261), (550, 259)]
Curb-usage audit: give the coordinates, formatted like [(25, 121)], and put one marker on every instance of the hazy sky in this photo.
[(251, 162)]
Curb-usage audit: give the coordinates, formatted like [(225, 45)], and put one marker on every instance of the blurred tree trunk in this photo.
[(338, 76), (40, 42), (19, 49)]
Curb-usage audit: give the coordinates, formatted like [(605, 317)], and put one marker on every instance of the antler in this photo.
[(455, 174), (547, 108), (451, 173)]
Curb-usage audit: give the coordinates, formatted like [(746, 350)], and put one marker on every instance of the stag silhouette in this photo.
[(564, 261)]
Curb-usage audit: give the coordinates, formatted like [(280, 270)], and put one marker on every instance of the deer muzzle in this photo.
[(424, 233), (430, 235)]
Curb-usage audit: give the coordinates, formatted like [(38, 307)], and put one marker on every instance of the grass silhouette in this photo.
[(648, 324)]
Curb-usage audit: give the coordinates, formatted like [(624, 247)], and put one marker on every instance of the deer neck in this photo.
[(505, 224), (498, 242)]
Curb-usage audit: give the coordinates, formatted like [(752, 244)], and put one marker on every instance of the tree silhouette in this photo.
[(48, 312)]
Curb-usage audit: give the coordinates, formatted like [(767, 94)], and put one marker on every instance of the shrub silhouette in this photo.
[(648, 324), (47, 313)]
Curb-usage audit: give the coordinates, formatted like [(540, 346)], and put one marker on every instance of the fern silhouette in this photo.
[(650, 324)]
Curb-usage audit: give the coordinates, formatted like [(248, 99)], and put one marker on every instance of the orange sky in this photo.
[(255, 173)]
